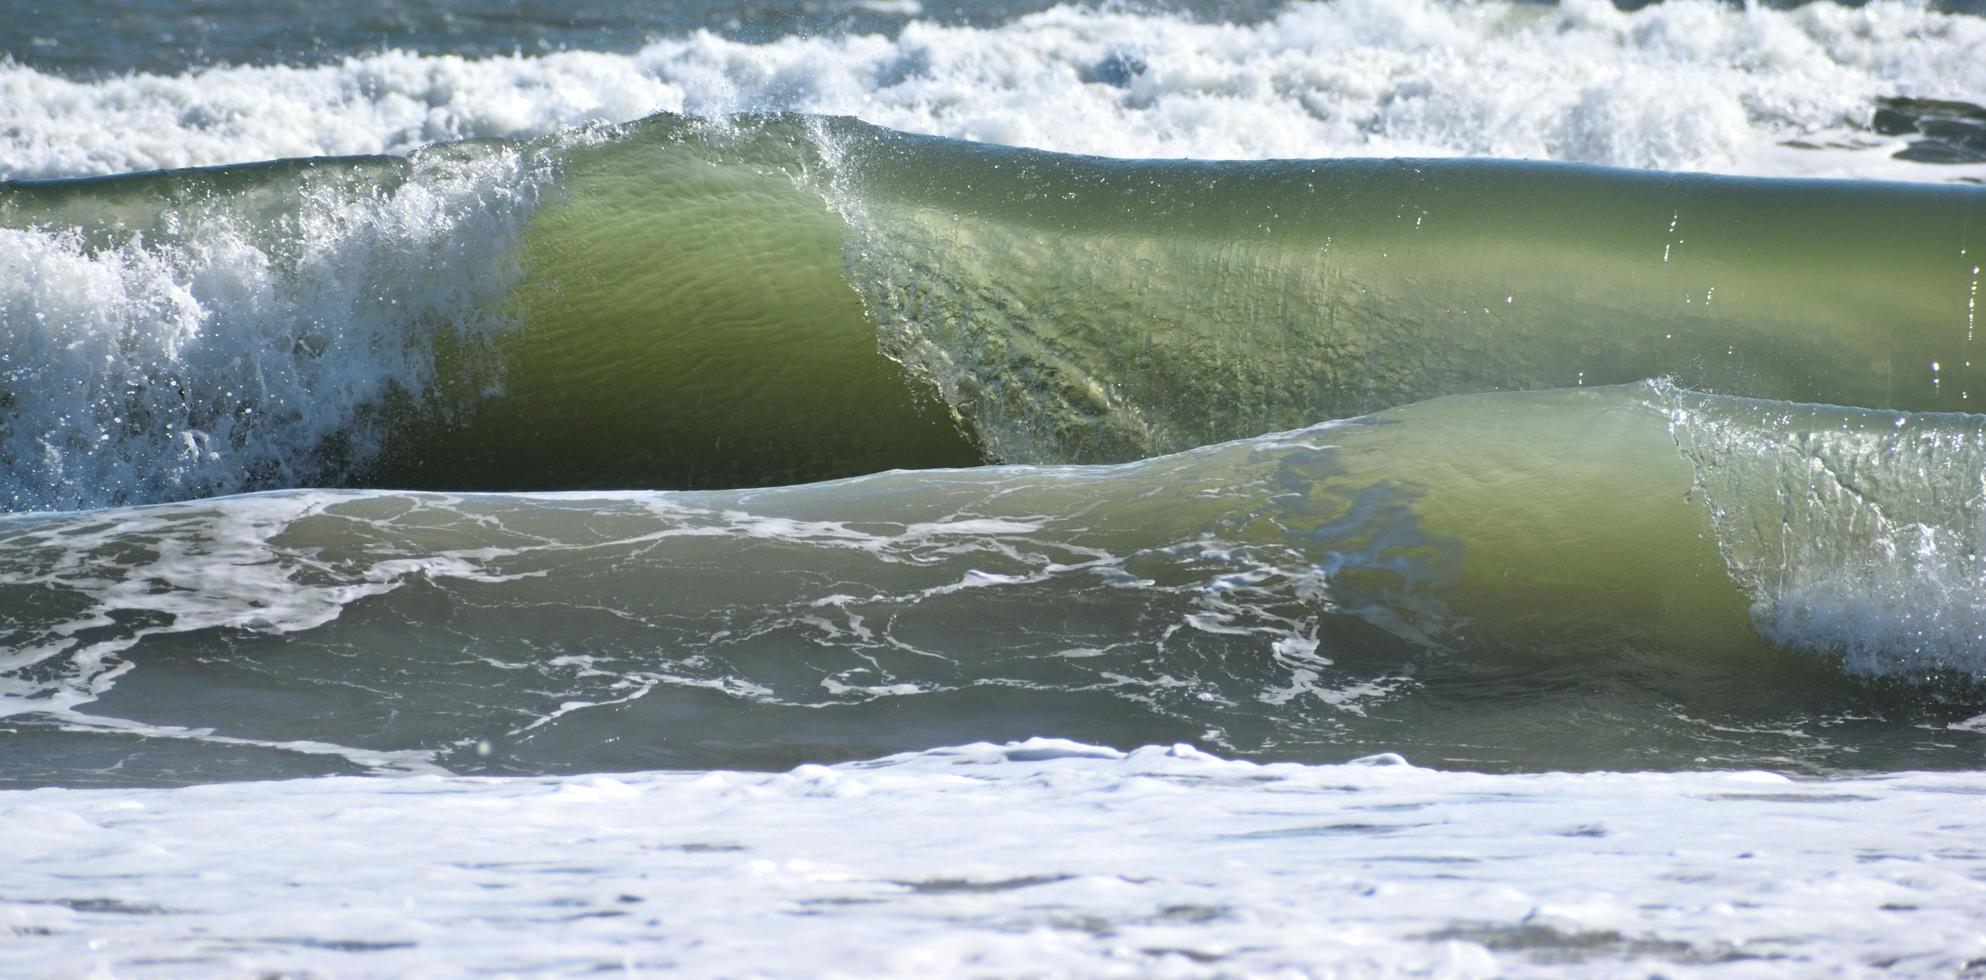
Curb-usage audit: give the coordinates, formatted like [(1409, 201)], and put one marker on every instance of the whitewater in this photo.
[(1673, 86), (1038, 857), (1188, 489)]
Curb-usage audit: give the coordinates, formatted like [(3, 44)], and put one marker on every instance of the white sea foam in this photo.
[(1857, 533), (1036, 858), (215, 568), (1686, 84), (219, 356)]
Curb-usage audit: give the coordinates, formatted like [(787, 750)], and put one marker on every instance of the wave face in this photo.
[(1081, 309), (680, 303), (1491, 581), (1681, 85)]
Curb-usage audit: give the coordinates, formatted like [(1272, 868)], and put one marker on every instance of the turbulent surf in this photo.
[(1194, 488)]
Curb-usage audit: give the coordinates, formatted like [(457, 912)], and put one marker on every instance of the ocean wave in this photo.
[(1515, 580), (1681, 85), (680, 303)]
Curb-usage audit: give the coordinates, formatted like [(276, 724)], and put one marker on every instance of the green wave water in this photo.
[(679, 303), (1507, 552), (1563, 579)]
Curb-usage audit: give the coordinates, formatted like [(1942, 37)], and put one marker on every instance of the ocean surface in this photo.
[(1420, 487)]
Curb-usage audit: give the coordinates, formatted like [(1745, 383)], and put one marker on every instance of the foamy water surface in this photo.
[(1036, 857), (1683, 85)]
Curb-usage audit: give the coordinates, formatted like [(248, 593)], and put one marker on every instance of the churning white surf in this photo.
[(1682, 85), (218, 350), (1043, 857)]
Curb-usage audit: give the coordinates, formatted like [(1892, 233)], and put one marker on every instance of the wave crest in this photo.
[(1857, 532), (205, 347)]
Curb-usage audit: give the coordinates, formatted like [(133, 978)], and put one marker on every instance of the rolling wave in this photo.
[(1516, 580), (683, 303)]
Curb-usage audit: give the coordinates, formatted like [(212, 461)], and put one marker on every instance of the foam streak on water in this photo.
[(1042, 856), (1684, 85), (1511, 581)]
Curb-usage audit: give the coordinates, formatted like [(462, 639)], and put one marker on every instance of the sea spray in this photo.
[(172, 336), (1857, 532), (1686, 85)]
